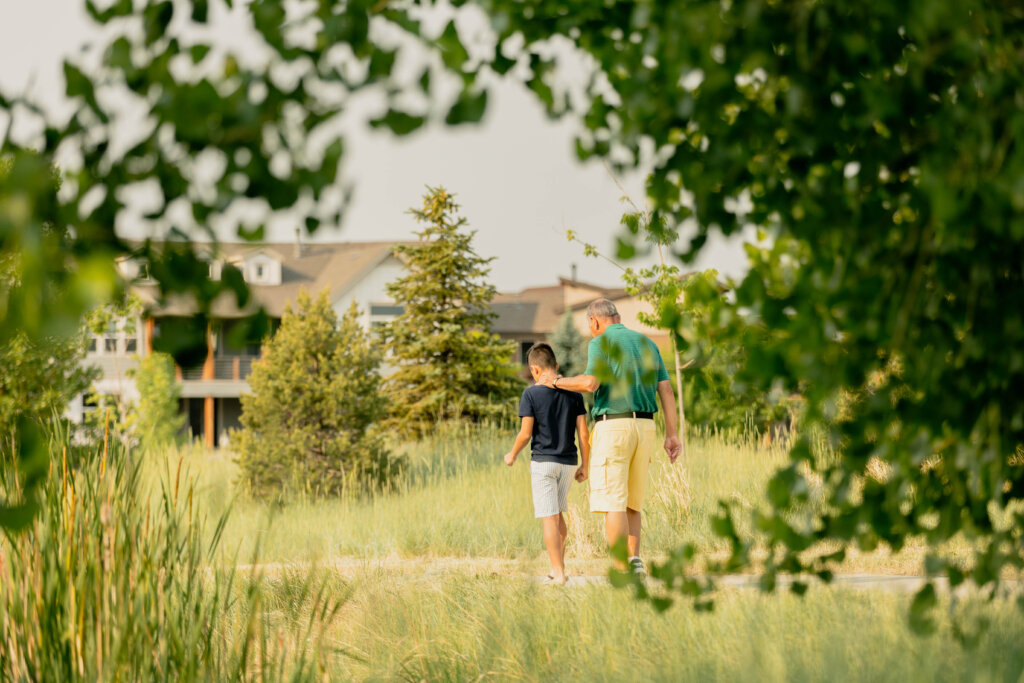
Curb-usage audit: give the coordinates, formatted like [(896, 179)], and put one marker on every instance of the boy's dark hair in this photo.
[(542, 355)]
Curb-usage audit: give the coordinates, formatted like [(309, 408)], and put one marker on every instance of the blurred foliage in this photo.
[(448, 365), (308, 424), (874, 146)]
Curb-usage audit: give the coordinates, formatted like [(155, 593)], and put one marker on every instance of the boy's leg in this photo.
[(563, 531), (553, 541), (544, 477)]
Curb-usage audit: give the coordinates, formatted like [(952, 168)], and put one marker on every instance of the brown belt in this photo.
[(618, 416)]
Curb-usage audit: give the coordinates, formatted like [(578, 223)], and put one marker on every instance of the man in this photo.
[(626, 373)]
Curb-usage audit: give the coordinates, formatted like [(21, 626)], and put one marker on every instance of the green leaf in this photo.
[(200, 11), (398, 122), (921, 618), (620, 579), (198, 52), (469, 108), (155, 19), (453, 53)]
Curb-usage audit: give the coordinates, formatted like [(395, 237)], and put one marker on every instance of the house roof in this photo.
[(336, 266), (535, 310)]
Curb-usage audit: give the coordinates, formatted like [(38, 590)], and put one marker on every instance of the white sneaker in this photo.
[(636, 565)]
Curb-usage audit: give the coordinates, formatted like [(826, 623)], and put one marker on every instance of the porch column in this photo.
[(149, 329), (209, 428)]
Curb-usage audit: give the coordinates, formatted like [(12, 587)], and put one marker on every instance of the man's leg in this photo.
[(638, 474), (553, 541), (616, 525), (634, 519)]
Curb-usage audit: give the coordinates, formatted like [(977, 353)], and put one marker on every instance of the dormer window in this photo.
[(262, 268)]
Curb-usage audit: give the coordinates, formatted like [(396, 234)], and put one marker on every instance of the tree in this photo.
[(448, 364), (155, 418), (570, 346), (38, 381), (308, 424)]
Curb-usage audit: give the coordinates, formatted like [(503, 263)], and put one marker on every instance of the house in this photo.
[(210, 391), (275, 272), (533, 314)]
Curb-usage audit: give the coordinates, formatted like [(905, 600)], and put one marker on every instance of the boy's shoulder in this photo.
[(538, 390)]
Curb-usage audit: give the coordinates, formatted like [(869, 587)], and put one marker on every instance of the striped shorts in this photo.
[(551, 482)]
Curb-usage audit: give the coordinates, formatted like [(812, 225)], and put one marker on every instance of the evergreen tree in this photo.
[(155, 419), (448, 363), (570, 346), (307, 425)]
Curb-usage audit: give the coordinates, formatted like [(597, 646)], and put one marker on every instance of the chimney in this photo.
[(298, 242), (573, 277)]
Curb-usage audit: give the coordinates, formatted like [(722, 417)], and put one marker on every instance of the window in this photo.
[(259, 271), (92, 344), (110, 344), (386, 309), (524, 348), (130, 344)]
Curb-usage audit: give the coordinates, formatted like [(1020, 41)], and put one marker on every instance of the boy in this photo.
[(549, 417)]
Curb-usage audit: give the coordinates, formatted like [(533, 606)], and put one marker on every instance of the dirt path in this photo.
[(582, 572)]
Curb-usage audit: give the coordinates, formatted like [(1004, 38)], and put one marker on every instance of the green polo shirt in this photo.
[(629, 367)]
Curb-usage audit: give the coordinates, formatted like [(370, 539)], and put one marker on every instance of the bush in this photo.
[(155, 419), (309, 423)]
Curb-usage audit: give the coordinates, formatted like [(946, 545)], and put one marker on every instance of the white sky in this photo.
[(516, 175)]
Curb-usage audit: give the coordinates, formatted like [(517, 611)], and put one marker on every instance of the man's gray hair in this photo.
[(602, 308)]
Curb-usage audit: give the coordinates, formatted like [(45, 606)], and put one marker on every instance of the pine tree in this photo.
[(308, 423), (448, 363), (570, 346)]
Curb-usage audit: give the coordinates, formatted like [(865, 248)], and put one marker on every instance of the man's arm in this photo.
[(668, 407), (584, 436), (579, 383), (522, 438)]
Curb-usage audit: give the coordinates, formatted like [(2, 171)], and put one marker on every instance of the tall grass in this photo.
[(113, 582), (459, 627), (457, 498)]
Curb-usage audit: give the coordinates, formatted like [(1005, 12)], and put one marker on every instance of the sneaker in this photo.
[(636, 565)]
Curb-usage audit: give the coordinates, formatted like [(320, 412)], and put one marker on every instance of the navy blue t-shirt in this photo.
[(554, 413)]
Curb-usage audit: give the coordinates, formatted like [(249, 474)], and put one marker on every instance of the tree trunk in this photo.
[(682, 412)]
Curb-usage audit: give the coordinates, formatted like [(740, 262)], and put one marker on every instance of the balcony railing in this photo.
[(224, 368)]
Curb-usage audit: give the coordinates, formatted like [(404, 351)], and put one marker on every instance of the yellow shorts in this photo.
[(620, 458)]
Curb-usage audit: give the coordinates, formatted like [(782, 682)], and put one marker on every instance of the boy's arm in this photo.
[(522, 438), (584, 436)]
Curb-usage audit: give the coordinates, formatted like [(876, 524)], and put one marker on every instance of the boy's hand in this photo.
[(510, 458), (582, 474)]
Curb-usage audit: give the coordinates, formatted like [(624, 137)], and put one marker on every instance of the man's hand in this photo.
[(548, 379), (582, 474), (673, 447), (510, 458)]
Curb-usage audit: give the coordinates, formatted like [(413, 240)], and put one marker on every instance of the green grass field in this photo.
[(437, 579), (121, 578), (458, 500)]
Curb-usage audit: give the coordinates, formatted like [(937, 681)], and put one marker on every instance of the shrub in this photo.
[(308, 424)]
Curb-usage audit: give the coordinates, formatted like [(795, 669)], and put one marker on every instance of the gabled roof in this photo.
[(535, 310), (336, 266)]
